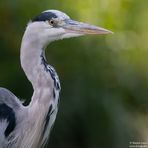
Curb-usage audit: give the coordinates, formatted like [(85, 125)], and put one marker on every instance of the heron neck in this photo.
[(42, 76), (32, 54)]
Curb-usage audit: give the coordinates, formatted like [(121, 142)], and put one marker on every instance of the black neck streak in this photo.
[(52, 71)]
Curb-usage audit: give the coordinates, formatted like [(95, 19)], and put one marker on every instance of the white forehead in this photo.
[(59, 14)]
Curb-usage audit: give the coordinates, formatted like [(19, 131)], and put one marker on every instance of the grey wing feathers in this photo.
[(8, 98), (9, 106)]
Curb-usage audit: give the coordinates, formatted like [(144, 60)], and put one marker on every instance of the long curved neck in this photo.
[(32, 61), (45, 82)]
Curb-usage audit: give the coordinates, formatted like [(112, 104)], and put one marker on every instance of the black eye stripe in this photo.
[(44, 17)]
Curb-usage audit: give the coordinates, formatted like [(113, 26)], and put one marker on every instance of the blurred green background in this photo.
[(104, 98)]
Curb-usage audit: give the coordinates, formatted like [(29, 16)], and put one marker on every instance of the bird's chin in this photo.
[(70, 34)]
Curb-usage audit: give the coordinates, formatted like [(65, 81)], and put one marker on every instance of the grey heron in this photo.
[(29, 126)]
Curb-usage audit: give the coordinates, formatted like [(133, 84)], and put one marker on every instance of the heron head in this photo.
[(53, 25)]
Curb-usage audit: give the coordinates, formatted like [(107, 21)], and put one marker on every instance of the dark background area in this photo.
[(104, 98)]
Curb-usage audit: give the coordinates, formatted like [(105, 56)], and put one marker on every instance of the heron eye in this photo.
[(51, 22)]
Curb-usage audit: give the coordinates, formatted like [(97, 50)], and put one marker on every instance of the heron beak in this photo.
[(83, 28)]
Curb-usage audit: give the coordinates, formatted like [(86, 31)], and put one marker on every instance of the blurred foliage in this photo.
[(104, 79)]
